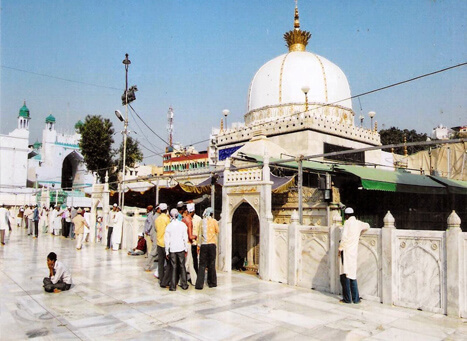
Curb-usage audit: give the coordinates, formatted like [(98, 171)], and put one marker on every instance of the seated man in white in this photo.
[(59, 276)]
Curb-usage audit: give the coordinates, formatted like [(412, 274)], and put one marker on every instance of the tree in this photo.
[(96, 144), (395, 135), (133, 153)]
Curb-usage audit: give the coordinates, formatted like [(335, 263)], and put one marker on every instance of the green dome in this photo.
[(50, 119), (24, 111), (78, 124), (37, 145)]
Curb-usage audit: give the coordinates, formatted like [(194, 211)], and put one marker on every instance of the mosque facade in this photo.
[(54, 163)]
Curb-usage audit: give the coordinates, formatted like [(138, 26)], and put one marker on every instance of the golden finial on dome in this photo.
[(297, 39)]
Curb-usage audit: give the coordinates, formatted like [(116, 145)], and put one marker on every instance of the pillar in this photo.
[(455, 265), (292, 249), (387, 259), (334, 236)]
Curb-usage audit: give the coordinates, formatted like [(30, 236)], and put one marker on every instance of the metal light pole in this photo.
[(305, 90), (371, 114), (300, 189), (127, 63), (226, 113)]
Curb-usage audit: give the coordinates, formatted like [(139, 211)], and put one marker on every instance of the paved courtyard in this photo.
[(113, 298)]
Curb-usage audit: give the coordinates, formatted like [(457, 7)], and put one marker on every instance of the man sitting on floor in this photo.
[(59, 276), (140, 248)]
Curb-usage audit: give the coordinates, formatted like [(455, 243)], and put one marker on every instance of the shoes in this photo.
[(344, 302), (172, 289), (212, 286), (3, 243), (185, 288), (34, 237), (107, 248)]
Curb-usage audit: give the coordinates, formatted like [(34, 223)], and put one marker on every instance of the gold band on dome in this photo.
[(297, 48)]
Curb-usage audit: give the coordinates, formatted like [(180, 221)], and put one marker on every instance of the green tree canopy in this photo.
[(133, 153), (96, 144), (395, 135)]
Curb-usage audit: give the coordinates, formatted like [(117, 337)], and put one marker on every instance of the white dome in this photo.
[(279, 82)]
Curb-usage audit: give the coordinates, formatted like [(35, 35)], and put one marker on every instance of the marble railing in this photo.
[(334, 121), (418, 269)]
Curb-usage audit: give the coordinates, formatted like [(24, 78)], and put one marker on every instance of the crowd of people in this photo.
[(183, 244)]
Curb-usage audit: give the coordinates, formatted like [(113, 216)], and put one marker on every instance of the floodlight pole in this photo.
[(127, 63)]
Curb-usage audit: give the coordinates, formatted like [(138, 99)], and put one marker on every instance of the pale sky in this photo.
[(65, 58)]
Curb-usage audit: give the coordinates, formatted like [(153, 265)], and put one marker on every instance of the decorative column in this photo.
[(292, 249), (225, 230), (265, 222), (334, 237), (455, 265), (388, 259)]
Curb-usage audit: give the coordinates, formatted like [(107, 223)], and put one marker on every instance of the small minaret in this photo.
[(23, 117), (50, 123)]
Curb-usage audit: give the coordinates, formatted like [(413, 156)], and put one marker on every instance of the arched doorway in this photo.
[(69, 168), (245, 237)]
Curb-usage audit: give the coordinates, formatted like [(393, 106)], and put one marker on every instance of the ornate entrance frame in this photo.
[(253, 186)]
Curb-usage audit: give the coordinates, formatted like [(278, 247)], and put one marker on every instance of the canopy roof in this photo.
[(454, 186)]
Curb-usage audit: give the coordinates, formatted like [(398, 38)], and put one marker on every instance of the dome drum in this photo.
[(335, 113)]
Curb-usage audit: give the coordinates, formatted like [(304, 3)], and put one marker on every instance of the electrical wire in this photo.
[(166, 143), (61, 78)]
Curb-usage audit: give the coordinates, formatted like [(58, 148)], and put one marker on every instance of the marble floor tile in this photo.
[(112, 298)]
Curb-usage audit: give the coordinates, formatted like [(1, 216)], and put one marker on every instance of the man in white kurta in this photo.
[(4, 223), (57, 220), (348, 255), (117, 229)]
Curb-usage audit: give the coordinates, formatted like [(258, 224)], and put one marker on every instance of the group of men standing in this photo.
[(177, 238)]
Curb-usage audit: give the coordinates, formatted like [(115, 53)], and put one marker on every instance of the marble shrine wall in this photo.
[(417, 269)]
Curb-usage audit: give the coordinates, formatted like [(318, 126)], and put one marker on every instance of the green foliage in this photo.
[(96, 144), (395, 135), (133, 153)]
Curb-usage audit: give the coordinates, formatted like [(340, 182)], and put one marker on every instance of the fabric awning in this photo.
[(393, 181), (141, 187), (453, 186), (280, 184)]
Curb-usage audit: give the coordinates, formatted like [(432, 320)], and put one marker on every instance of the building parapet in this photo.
[(243, 176), (279, 120)]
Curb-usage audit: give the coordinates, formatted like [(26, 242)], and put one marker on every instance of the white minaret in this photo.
[(23, 117)]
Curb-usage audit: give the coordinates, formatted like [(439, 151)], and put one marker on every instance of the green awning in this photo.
[(454, 186), (394, 181), (311, 165)]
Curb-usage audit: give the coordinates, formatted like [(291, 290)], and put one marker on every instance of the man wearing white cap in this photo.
[(176, 247), (188, 220), (80, 223), (348, 253), (118, 229), (161, 224), (140, 248), (110, 225)]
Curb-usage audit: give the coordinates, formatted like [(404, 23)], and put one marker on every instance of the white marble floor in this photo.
[(113, 298)]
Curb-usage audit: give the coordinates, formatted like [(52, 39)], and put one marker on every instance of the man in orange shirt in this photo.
[(207, 255)]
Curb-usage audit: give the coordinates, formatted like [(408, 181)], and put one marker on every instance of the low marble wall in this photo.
[(417, 269)]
